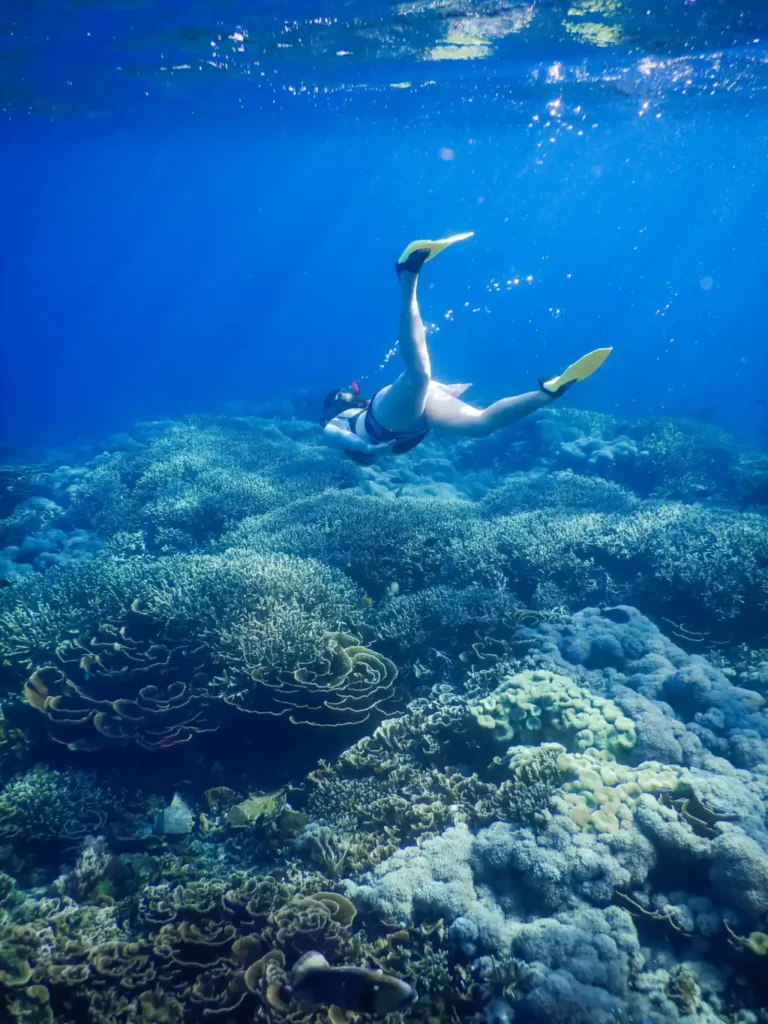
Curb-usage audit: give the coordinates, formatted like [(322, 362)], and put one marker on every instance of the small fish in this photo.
[(356, 989), (367, 601)]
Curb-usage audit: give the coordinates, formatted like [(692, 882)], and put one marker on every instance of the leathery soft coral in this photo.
[(541, 706)]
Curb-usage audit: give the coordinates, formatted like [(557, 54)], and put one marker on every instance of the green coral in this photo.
[(540, 706), (600, 794)]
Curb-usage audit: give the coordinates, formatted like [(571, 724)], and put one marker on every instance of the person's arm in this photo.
[(336, 437)]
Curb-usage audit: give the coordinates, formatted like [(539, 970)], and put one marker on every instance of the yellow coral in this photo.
[(554, 708), (602, 793)]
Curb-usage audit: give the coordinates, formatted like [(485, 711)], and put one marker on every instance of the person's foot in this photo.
[(413, 263), (549, 387)]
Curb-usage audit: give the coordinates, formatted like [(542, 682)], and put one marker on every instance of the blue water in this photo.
[(490, 716), (202, 205)]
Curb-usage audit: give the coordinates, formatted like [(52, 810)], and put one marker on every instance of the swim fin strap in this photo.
[(579, 370), (416, 254)]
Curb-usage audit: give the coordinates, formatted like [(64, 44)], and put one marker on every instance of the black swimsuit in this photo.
[(377, 434)]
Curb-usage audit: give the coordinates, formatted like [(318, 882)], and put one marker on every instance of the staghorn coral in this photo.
[(566, 491), (198, 477), (409, 543), (713, 562), (93, 864), (146, 675), (428, 631), (253, 610)]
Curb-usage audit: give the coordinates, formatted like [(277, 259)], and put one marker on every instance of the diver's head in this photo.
[(338, 401)]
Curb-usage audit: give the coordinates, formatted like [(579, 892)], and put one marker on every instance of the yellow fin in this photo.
[(579, 370), (434, 246), (336, 1015)]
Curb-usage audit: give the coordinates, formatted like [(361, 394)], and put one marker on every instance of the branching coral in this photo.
[(146, 674), (241, 574), (43, 806), (199, 477), (407, 544)]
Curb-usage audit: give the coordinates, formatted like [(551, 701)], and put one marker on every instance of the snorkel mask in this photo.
[(336, 402)]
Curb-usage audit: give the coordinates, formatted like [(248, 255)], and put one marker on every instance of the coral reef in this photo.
[(552, 708), (491, 718), (161, 629), (620, 651)]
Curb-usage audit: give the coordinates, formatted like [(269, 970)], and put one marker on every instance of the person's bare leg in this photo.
[(399, 405), (448, 412)]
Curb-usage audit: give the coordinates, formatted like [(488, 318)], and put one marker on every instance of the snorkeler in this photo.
[(400, 415)]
